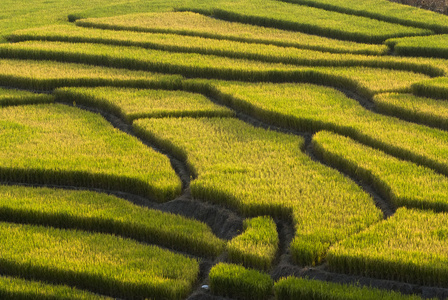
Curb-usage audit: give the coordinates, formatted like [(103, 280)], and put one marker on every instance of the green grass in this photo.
[(428, 46), (305, 107), (131, 104), (262, 172), (401, 182), (100, 263), (19, 289), (293, 288), (412, 108), (48, 75), (235, 281), (225, 48), (410, 246), (63, 145), (383, 10), (194, 24), (10, 97), (257, 246), (108, 214)]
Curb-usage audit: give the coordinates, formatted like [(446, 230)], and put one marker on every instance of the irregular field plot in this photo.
[(410, 246), (103, 213), (264, 172), (413, 108), (257, 246), (428, 46), (133, 104), (16, 97), (312, 108), (18, 289), (313, 20), (101, 263), (384, 10), (292, 288), (194, 24), (403, 182), (232, 280), (47, 75), (226, 48), (58, 144)]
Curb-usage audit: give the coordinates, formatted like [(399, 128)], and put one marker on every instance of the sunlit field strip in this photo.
[(306, 107), (366, 81), (15, 97), (409, 107), (131, 104), (292, 288), (12, 288), (101, 263), (410, 246), (194, 24), (258, 172), (428, 46), (383, 10), (433, 88), (47, 75), (311, 20), (402, 182), (62, 145), (257, 246), (235, 281), (225, 48), (109, 214)]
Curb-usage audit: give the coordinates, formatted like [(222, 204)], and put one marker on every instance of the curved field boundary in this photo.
[(336, 25), (429, 46), (131, 104), (422, 110), (78, 148), (10, 97), (96, 212), (421, 188), (409, 246), (225, 155), (230, 49), (100, 263), (383, 10), (194, 24)]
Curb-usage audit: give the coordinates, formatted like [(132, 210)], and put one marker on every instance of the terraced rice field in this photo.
[(248, 149)]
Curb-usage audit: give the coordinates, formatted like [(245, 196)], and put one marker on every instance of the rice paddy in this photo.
[(229, 148)]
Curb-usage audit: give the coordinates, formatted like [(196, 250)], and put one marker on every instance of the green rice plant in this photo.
[(101, 263), (257, 246), (131, 104), (63, 145), (194, 24), (108, 214), (293, 288), (15, 97), (410, 246), (412, 108), (312, 20), (364, 80), (226, 48), (235, 281), (19, 289), (402, 182), (433, 88), (47, 75), (306, 107), (383, 10), (261, 172), (428, 46)]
